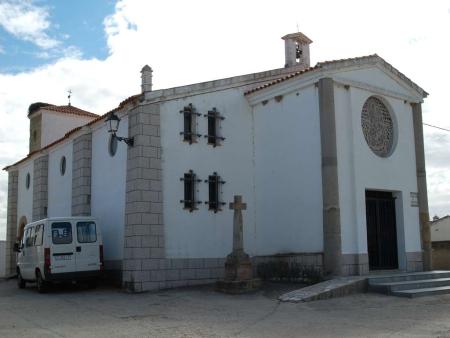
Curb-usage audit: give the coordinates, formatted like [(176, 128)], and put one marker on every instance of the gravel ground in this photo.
[(202, 312)]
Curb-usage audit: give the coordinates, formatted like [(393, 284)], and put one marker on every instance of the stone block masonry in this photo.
[(40, 188), (81, 175), (145, 266), (11, 223), (144, 233)]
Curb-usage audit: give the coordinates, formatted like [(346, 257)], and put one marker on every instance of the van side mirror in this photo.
[(16, 247)]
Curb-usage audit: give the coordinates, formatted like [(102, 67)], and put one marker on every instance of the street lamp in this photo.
[(113, 125)]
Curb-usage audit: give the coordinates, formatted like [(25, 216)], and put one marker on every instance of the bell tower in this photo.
[(296, 50)]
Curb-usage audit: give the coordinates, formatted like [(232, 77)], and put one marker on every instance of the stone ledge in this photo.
[(332, 288), (238, 287)]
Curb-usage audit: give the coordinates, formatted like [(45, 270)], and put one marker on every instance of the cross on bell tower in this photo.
[(69, 96)]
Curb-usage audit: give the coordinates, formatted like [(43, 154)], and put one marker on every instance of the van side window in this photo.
[(38, 233), (86, 232), (30, 237), (61, 233)]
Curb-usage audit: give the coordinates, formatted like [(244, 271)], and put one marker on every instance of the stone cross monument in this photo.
[(238, 265)]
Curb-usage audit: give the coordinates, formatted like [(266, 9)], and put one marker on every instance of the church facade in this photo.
[(329, 160)]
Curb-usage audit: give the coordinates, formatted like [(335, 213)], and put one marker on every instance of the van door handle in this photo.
[(78, 248)]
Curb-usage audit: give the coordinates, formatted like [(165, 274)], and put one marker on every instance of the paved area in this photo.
[(201, 312)]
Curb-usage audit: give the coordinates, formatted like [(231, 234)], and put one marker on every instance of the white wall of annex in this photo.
[(108, 189), (56, 125), (360, 169), (288, 174), (440, 230), (60, 186), (203, 233), (25, 196)]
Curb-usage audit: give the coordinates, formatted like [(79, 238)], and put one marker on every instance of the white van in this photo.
[(60, 249)]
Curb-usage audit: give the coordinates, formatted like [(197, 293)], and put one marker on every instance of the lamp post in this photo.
[(113, 122)]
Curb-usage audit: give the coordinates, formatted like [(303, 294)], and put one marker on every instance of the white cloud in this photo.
[(27, 22), (204, 40)]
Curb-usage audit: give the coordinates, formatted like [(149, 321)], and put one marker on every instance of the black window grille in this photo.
[(190, 183), (189, 115), (214, 183), (213, 126)]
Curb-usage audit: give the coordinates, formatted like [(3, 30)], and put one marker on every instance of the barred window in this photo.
[(214, 119), (190, 186), (189, 124), (214, 183)]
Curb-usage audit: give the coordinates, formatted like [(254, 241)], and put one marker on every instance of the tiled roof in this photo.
[(333, 64), (281, 79), (131, 99), (69, 110)]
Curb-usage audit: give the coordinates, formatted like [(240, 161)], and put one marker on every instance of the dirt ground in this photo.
[(202, 312)]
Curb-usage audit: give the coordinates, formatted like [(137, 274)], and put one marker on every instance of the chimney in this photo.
[(296, 50), (146, 76)]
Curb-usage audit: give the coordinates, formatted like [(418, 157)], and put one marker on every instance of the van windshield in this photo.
[(62, 233), (86, 232)]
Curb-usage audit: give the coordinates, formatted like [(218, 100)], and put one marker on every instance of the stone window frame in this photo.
[(62, 165), (214, 192), (189, 132), (214, 126)]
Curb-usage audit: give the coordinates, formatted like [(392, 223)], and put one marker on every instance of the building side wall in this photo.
[(60, 186), (440, 230), (186, 232), (108, 190), (56, 125), (3, 258), (287, 174), (360, 169)]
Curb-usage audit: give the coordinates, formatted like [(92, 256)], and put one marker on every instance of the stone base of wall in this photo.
[(355, 264), (441, 255), (414, 261), (155, 274), (309, 260)]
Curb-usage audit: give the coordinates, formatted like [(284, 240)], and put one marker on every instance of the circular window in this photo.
[(377, 126), (62, 166), (112, 145), (27, 181)]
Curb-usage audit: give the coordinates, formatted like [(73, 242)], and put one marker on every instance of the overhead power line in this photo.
[(430, 125)]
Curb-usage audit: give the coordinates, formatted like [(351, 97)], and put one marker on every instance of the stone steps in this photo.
[(411, 284)]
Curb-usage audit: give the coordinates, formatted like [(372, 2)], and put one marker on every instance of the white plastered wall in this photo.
[(55, 125), (203, 233), (360, 169), (60, 186), (268, 150), (108, 188), (288, 174)]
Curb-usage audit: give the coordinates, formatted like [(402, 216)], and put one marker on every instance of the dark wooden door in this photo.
[(381, 230)]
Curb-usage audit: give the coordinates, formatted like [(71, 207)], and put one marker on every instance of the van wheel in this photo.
[(42, 286), (20, 282)]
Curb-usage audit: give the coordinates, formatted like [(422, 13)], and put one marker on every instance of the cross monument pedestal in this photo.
[(238, 266)]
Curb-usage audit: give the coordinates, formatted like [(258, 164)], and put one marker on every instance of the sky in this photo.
[(97, 48)]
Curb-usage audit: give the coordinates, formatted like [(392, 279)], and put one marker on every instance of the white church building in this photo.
[(329, 160)]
